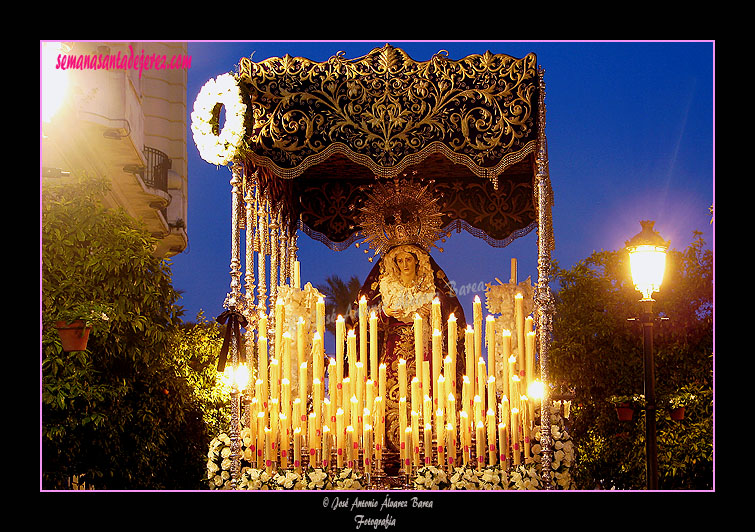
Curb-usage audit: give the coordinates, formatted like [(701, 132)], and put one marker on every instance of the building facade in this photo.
[(121, 115)]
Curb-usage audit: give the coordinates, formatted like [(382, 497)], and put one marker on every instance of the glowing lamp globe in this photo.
[(647, 259)]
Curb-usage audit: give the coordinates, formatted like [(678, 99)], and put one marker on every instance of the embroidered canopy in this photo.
[(318, 134)]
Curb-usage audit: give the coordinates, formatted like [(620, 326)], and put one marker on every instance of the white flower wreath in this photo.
[(218, 148)]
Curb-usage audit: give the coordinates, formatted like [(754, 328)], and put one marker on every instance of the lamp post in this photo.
[(647, 260)]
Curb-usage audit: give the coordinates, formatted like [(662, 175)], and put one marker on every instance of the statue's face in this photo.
[(407, 264)]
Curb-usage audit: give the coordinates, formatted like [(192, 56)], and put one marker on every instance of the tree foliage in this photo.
[(121, 413), (597, 354)]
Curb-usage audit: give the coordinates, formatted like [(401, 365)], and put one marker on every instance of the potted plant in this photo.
[(624, 405), (677, 402), (76, 322)]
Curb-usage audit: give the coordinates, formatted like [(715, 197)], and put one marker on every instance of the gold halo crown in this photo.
[(400, 211)]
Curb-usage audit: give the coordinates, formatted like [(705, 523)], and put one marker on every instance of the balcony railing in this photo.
[(156, 172)]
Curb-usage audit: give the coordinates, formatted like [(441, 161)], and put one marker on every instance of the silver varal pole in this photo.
[(543, 296)]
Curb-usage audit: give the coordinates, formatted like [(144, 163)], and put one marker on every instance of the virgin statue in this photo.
[(404, 282)]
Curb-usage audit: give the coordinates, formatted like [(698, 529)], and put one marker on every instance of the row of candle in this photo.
[(276, 439), (356, 409)]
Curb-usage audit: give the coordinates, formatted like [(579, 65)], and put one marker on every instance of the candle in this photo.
[(350, 446), (451, 410), (347, 393), (296, 417), (481, 379), (512, 375), (402, 378), (490, 343), (318, 357), (370, 394), (426, 384), (450, 447), (439, 433), (287, 361), (359, 386), (351, 352), (403, 422), (363, 330), (373, 346), (441, 396), (480, 441), (314, 430), (519, 316), (297, 449), (419, 348), (320, 316), (303, 380), (435, 314), (331, 378), (515, 395), (448, 373), (381, 381), (466, 394), (530, 356), (380, 433), (505, 409), (339, 437), (279, 313), (506, 341), (268, 450), (526, 422), (428, 433), (368, 448), (491, 392), (529, 324), (284, 441), (326, 446), (436, 360), (452, 338), (477, 317), (297, 275), (427, 409), (285, 397), (340, 339), (415, 437), (515, 435), (317, 403), (301, 355), (477, 409), (408, 445), (469, 353), (466, 437), (274, 379), (513, 271), (503, 444), (261, 439), (491, 426), (415, 395), (262, 363), (355, 415)]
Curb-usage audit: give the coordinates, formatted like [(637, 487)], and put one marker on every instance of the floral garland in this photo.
[(521, 477), (563, 452), (252, 478), (524, 477), (430, 478), (461, 478), (218, 146)]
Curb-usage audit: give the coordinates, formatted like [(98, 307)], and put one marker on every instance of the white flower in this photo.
[(220, 148)]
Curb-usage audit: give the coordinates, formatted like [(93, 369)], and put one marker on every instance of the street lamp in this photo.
[(647, 260)]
